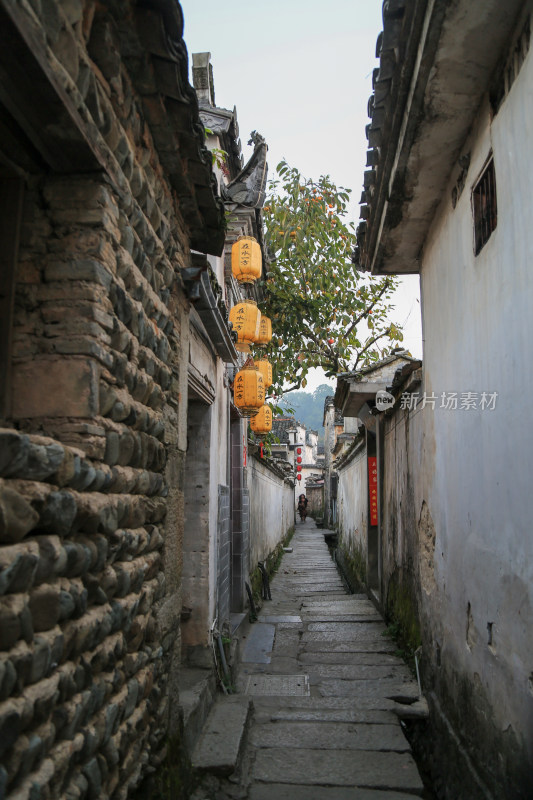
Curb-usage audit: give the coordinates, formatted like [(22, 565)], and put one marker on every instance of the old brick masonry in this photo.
[(117, 187)]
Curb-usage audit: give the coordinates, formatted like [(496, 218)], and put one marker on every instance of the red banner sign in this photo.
[(373, 489)]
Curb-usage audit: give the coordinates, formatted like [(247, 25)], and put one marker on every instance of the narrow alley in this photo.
[(307, 290), (327, 694)]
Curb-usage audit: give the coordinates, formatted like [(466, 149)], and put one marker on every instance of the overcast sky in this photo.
[(299, 72)]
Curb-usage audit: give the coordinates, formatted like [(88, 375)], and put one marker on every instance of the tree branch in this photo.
[(367, 345), (292, 389), (364, 314)]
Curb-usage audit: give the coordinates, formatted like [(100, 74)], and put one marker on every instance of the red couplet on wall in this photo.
[(373, 489)]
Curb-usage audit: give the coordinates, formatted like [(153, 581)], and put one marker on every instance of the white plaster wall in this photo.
[(329, 443), (212, 369), (477, 466), (271, 510), (219, 475), (352, 504)]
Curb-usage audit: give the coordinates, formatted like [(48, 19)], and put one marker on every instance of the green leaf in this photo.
[(312, 296)]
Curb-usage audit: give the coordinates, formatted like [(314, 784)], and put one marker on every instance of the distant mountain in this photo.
[(308, 407)]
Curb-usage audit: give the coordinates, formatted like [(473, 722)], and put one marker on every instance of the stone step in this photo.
[(364, 769), (197, 692), (219, 747)]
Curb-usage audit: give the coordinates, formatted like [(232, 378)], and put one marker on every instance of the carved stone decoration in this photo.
[(249, 187)]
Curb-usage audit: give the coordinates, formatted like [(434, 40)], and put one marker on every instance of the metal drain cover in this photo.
[(278, 685)]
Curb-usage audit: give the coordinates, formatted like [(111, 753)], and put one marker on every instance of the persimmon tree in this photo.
[(324, 312)]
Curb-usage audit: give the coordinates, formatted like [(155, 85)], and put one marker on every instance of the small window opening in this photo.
[(484, 206)]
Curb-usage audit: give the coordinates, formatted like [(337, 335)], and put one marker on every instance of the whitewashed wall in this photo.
[(352, 505), (458, 497), (271, 509)]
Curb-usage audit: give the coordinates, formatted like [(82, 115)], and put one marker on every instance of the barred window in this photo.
[(484, 206)]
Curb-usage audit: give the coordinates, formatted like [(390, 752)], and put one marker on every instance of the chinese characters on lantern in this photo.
[(239, 387), (245, 254)]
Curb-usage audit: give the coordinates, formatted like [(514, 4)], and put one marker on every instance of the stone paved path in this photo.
[(325, 683)]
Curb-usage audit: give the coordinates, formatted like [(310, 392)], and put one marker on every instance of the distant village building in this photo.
[(298, 446), (333, 427), (357, 462)]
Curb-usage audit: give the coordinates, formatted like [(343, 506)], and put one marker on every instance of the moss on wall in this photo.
[(352, 563), (174, 780), (402, 616)]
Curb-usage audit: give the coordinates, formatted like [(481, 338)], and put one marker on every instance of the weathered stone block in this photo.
[(8, 678), (73, 10), (126, 448), (14, 448), (66, 718), (51, 20), (15, 620), (67, 469), (10, 725), (78, 270), (78, 559), (111, 752), (66, 51), (55, 387), (78, 194), (59, 513), (14, 758), (84, 476), (3, 781), (96, 595), (67, 606), (43, 461), (18, 565), (90, 630), (52, 558), (17, 517), (98, 512), (45, 606), (40, 662)]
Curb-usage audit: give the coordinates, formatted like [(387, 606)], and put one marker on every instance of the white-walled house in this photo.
[(354, 457), (297, 446), (216, 545), (448, 195)]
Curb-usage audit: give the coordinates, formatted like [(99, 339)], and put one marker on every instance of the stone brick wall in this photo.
[(91, 455)]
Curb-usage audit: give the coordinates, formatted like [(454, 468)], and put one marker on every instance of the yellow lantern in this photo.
[(246, 260), (265, 368), (249, 390), (265, 332), (262, 422), (245, 317)]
